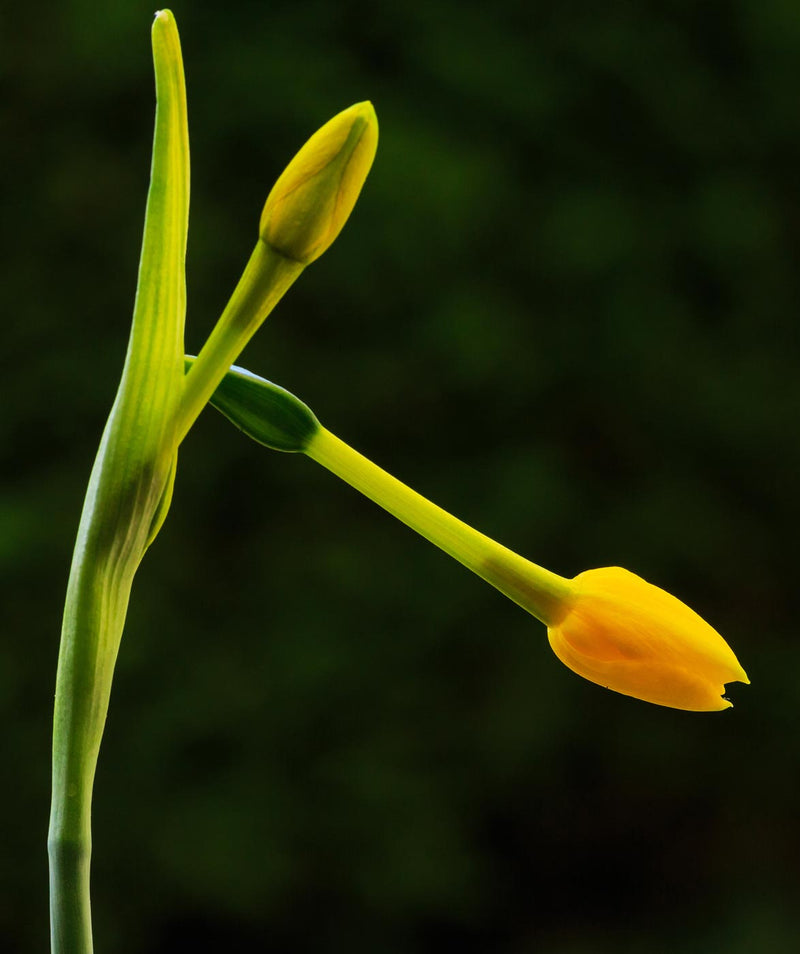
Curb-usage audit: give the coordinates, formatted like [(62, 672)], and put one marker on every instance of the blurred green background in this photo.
[(566, 309)]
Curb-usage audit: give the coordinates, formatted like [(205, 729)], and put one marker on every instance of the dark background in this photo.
[(566, 309)]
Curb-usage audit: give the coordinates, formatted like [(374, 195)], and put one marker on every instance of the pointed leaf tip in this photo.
[(163, 18)]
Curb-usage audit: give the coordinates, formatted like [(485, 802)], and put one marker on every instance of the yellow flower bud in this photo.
[(315, 194), (623, 633)]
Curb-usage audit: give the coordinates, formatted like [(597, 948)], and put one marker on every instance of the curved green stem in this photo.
[(93, 622), (266, 278), (540, 592)]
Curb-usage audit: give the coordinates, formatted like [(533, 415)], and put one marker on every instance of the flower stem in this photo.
[(537, 590), (93, 621), (266, 278)]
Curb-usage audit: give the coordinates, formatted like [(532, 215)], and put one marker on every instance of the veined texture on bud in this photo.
[(315, 194), (630, 636)]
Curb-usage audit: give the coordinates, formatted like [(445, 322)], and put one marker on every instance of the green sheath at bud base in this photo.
[(264, 411)]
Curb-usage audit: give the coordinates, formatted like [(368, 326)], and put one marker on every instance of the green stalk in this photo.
[(274, 417), (128, 491), (536, 589), (266, 278)]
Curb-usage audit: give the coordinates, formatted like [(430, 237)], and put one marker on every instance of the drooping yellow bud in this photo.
[(626, 634), (315, 194), (609, 625)]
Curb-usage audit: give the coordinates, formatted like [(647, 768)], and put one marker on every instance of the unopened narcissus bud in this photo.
[(621, 632), (315, 194)]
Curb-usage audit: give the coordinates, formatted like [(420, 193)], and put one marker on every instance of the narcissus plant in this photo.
[(608, 625)]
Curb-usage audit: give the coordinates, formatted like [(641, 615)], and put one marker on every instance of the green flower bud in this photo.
[(315, 194)]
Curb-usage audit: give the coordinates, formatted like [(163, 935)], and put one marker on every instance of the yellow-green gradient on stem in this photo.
[(537, 590), (608, 625)]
